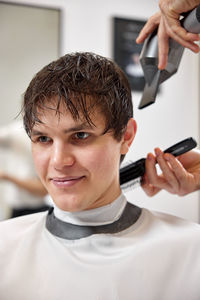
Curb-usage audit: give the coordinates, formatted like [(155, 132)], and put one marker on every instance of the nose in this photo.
[(62, 156)]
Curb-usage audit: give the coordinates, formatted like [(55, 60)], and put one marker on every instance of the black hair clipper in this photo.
[(149, 58), (131, 175)]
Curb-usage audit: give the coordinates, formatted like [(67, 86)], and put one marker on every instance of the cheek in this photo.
[(40, 161), (103, 160)]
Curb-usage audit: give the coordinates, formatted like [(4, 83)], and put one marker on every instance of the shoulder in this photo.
[(164, 223), (170, 219), (14, 228)]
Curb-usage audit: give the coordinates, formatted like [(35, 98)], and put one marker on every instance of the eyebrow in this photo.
[(82, 126)]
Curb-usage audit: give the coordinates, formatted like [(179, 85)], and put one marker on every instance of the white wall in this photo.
[(24, 50), (86, 26)]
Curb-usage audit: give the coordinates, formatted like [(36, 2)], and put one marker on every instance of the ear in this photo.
[(128, 135)]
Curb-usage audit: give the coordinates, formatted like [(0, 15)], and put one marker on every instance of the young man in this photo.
[(92, 244)]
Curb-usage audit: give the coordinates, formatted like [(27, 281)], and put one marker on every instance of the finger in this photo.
[(180, 35), (187, 180), (177, 29), (155, 182), (163, 46), (186, 43), (150, 168), (178, 169), (148, 28), (152, 175), (168, 174), (148, 188), (190, 158)]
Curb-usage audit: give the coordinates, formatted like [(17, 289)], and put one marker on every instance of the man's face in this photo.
[(77, 163)]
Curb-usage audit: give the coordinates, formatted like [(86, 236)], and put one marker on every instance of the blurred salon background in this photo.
[(33, 33)]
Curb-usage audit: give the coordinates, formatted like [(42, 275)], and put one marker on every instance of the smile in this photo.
[(66, 181)]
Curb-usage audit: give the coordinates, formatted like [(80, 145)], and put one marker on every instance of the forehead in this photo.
[(54, 115)]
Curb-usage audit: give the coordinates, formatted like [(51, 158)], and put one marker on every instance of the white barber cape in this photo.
[(156, 258)]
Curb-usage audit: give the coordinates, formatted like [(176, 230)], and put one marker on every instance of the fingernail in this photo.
[(158, 152), (167, 156), (150, 156)]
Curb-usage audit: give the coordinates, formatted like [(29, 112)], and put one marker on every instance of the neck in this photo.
[(102, 223), (98, 216)]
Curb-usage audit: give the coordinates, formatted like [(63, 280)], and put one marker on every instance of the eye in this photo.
[(43, 139), (82, 135)]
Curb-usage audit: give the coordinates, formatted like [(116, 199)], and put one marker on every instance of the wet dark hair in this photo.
[(75, 78)]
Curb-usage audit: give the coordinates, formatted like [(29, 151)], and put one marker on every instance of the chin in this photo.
[(71, 204)]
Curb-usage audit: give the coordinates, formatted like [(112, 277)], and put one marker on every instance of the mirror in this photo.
[(30, 38)]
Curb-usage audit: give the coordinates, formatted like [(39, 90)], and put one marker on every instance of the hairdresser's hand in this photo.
[(167, 21), (179, 176), (163, 46)]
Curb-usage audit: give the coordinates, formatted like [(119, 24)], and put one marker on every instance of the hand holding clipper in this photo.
[(132, 174)]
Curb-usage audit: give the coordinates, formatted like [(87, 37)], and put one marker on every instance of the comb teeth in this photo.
[(132, 184)]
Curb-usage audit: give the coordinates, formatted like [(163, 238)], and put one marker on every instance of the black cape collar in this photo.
[(69, 231)]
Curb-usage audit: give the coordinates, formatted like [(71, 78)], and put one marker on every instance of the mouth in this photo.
[(63, 182)]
